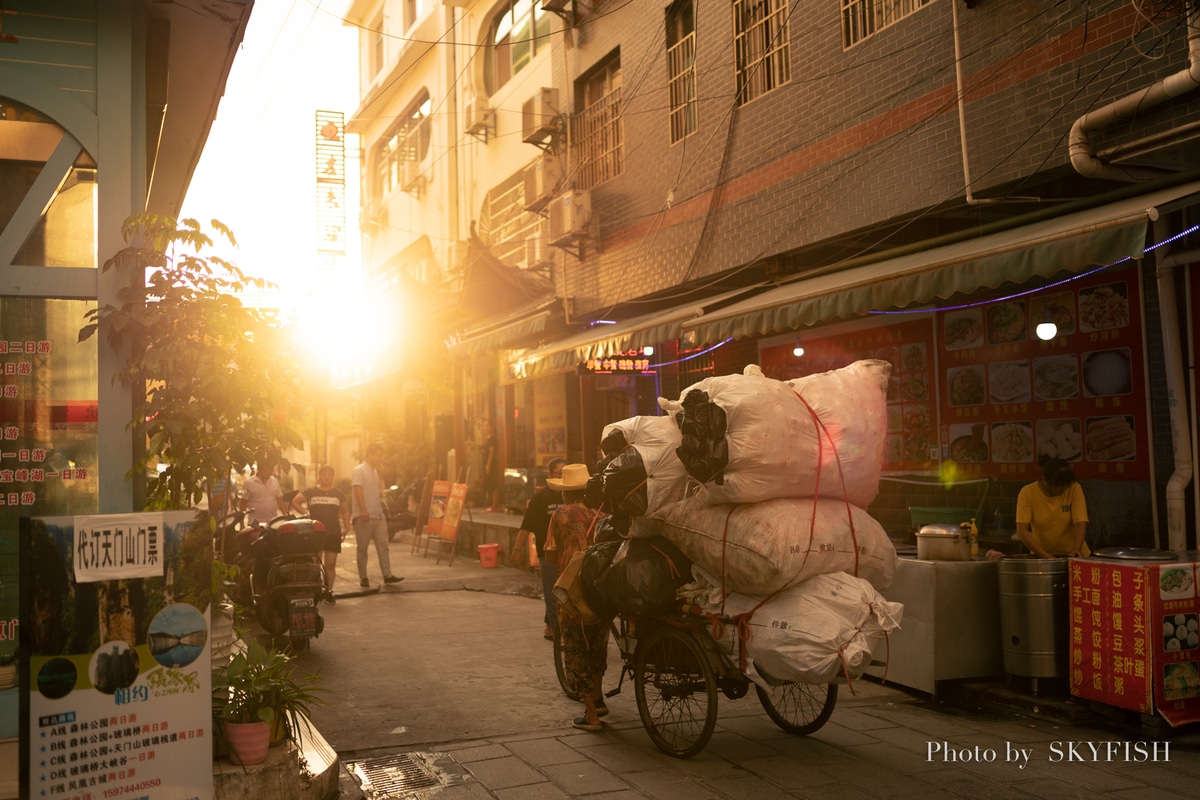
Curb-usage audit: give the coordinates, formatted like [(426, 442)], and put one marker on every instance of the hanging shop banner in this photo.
[(1134, 637), (550, 418), (1010, 397), (120, 670), (912, 391)]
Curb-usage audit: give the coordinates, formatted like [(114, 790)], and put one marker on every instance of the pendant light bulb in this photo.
[(1046, 330), (798, 350)]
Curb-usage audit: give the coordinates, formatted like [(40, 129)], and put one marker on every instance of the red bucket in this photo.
[(489, 555)]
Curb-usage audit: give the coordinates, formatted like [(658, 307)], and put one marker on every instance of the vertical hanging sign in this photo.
[(331, 193)]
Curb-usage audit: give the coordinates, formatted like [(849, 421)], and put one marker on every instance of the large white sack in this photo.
[(822, 435), (655, 439), (816, 631), (766, 546)]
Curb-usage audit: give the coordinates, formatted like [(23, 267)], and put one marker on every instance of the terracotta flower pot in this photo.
[(248, 741)]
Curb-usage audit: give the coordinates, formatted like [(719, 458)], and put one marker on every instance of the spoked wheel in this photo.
[(559, 670), (799, 708), (676, 692)]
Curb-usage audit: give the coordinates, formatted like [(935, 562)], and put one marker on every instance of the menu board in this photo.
[(1009, 397), (1135, 637), (912, 391)]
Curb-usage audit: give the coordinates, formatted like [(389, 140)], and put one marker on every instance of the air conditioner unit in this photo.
[(477, 116), (537, 252), (412, 177), (538, 114), (570, 214), (542, 178), (555, 5)]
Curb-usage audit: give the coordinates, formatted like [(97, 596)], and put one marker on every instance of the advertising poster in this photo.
[(1010, 397), (120, 664), (454, 508), (550, 418), (438, 501)]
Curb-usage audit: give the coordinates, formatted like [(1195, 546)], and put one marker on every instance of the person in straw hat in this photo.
[(584, 645)]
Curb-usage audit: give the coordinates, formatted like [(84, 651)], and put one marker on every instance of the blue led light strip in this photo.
[(693, 355), (978, 303)]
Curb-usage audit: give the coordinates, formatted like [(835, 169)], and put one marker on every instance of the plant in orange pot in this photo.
[(8, 669)]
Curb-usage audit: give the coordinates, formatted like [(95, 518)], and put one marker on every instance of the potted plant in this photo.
[(8, 669), (259, 691)]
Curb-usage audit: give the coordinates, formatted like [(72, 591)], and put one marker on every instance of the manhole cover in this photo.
[(400, 775)]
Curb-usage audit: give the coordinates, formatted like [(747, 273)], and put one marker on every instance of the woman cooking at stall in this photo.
[(1052, 513)]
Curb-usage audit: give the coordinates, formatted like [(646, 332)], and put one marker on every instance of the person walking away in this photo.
[(1052, 513), (536, 523), (264, 499), (492, 480), (584, 645), (327, 504), (369, 522)]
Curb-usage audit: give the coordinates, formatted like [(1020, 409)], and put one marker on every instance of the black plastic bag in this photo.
[(643, 576), (596, 561), (704, 449)]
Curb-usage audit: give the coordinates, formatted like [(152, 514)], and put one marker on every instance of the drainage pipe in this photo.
[(1084, 158)]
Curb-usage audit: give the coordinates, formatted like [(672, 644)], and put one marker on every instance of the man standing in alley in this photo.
[(369, 523)]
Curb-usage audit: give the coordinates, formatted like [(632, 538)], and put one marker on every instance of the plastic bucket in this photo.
[(1033, 615), (489, 555)]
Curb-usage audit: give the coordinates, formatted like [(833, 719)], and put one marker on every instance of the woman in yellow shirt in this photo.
[(1052, 513)]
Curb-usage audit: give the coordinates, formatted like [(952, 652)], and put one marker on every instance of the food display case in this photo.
[(1135, 636)]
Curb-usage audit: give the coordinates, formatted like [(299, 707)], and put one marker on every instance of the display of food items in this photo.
[(1177, 582), (1058, 308), (1008, 381), (913, 357), (1110, 438), (1179, 630), (966, 386), (914, 387), (1059, 438), (1181, 680), (1104, 307), (1106, 372), (1056, 377), (895, 418), (1012, 442), (916, 446), (963, 329), (1006, 322), (916, 417), (888, 354), (968, 443)]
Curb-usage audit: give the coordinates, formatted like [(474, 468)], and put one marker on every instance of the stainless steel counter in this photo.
[(951, 624)]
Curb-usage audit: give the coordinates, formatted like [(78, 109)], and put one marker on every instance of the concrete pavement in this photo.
[(442, 686)]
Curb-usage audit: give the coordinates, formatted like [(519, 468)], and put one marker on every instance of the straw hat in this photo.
[(574, 478)]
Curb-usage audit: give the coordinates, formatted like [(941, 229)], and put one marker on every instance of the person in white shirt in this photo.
[(264, 499), (369, 522)]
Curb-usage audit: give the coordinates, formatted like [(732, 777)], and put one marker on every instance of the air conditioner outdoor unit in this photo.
[(542, 178), (537, 252), (477, 116), (538, 114), (570, 214), (413, 179)]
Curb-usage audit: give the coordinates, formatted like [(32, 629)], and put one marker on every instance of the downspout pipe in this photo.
[(1084, 158), (1181, 435)]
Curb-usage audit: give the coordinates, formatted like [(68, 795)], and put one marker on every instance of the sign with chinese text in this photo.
[(118, 546), (119, 683), (630, 362), (437, 506), (454, 508), (550, 418)]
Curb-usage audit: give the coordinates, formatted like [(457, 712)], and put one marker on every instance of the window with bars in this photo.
[(762, 47), (864, 18), (681, 69), (408, 140), (504, 224), (519, 32), (599, 130)]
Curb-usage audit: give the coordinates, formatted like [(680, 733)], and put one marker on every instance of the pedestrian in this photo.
[(264, 499), (369, 522), (327, 504), (492, 482), (536, 523), (1052, 513), (584, 644)]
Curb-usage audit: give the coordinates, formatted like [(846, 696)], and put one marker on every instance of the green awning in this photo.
[(496, 333), (1073, 242)]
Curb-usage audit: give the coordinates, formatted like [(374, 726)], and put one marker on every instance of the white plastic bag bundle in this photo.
[(822, 435), (818, 630), (767, 546), (655, 439)]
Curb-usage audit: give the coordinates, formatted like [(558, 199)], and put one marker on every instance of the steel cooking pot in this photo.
[(944, 543)]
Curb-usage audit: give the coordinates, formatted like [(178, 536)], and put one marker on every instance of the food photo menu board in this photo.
[(912, 390), (1010, 397)]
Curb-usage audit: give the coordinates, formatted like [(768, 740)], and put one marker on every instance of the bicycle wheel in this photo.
[(799, 708), (676, 692), (567, 688)]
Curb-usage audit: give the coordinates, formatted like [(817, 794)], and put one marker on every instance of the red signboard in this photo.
[(437, 506), (1135, 637)]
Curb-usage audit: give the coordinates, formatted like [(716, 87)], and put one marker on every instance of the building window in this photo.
[(408, 140), (599, 129), (762, 45), (864, 18), (504, 224), (519, 32), (375, 46), (681, 68)]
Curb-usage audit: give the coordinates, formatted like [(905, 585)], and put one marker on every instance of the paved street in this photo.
[(449, 672)]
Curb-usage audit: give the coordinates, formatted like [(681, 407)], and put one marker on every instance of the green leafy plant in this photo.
[(212, 378), (263, 685), (8, 658)]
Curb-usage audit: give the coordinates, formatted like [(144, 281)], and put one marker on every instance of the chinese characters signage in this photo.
[(115, 547), (629, 362)]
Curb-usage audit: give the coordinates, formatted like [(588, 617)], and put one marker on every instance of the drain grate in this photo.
[(397, 774)]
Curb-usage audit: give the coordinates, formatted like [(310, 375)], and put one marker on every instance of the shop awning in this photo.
[(496, 333), (1074, 242), (604, 340)]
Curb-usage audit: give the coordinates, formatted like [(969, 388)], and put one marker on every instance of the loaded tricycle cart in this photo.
[(677, 667)]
